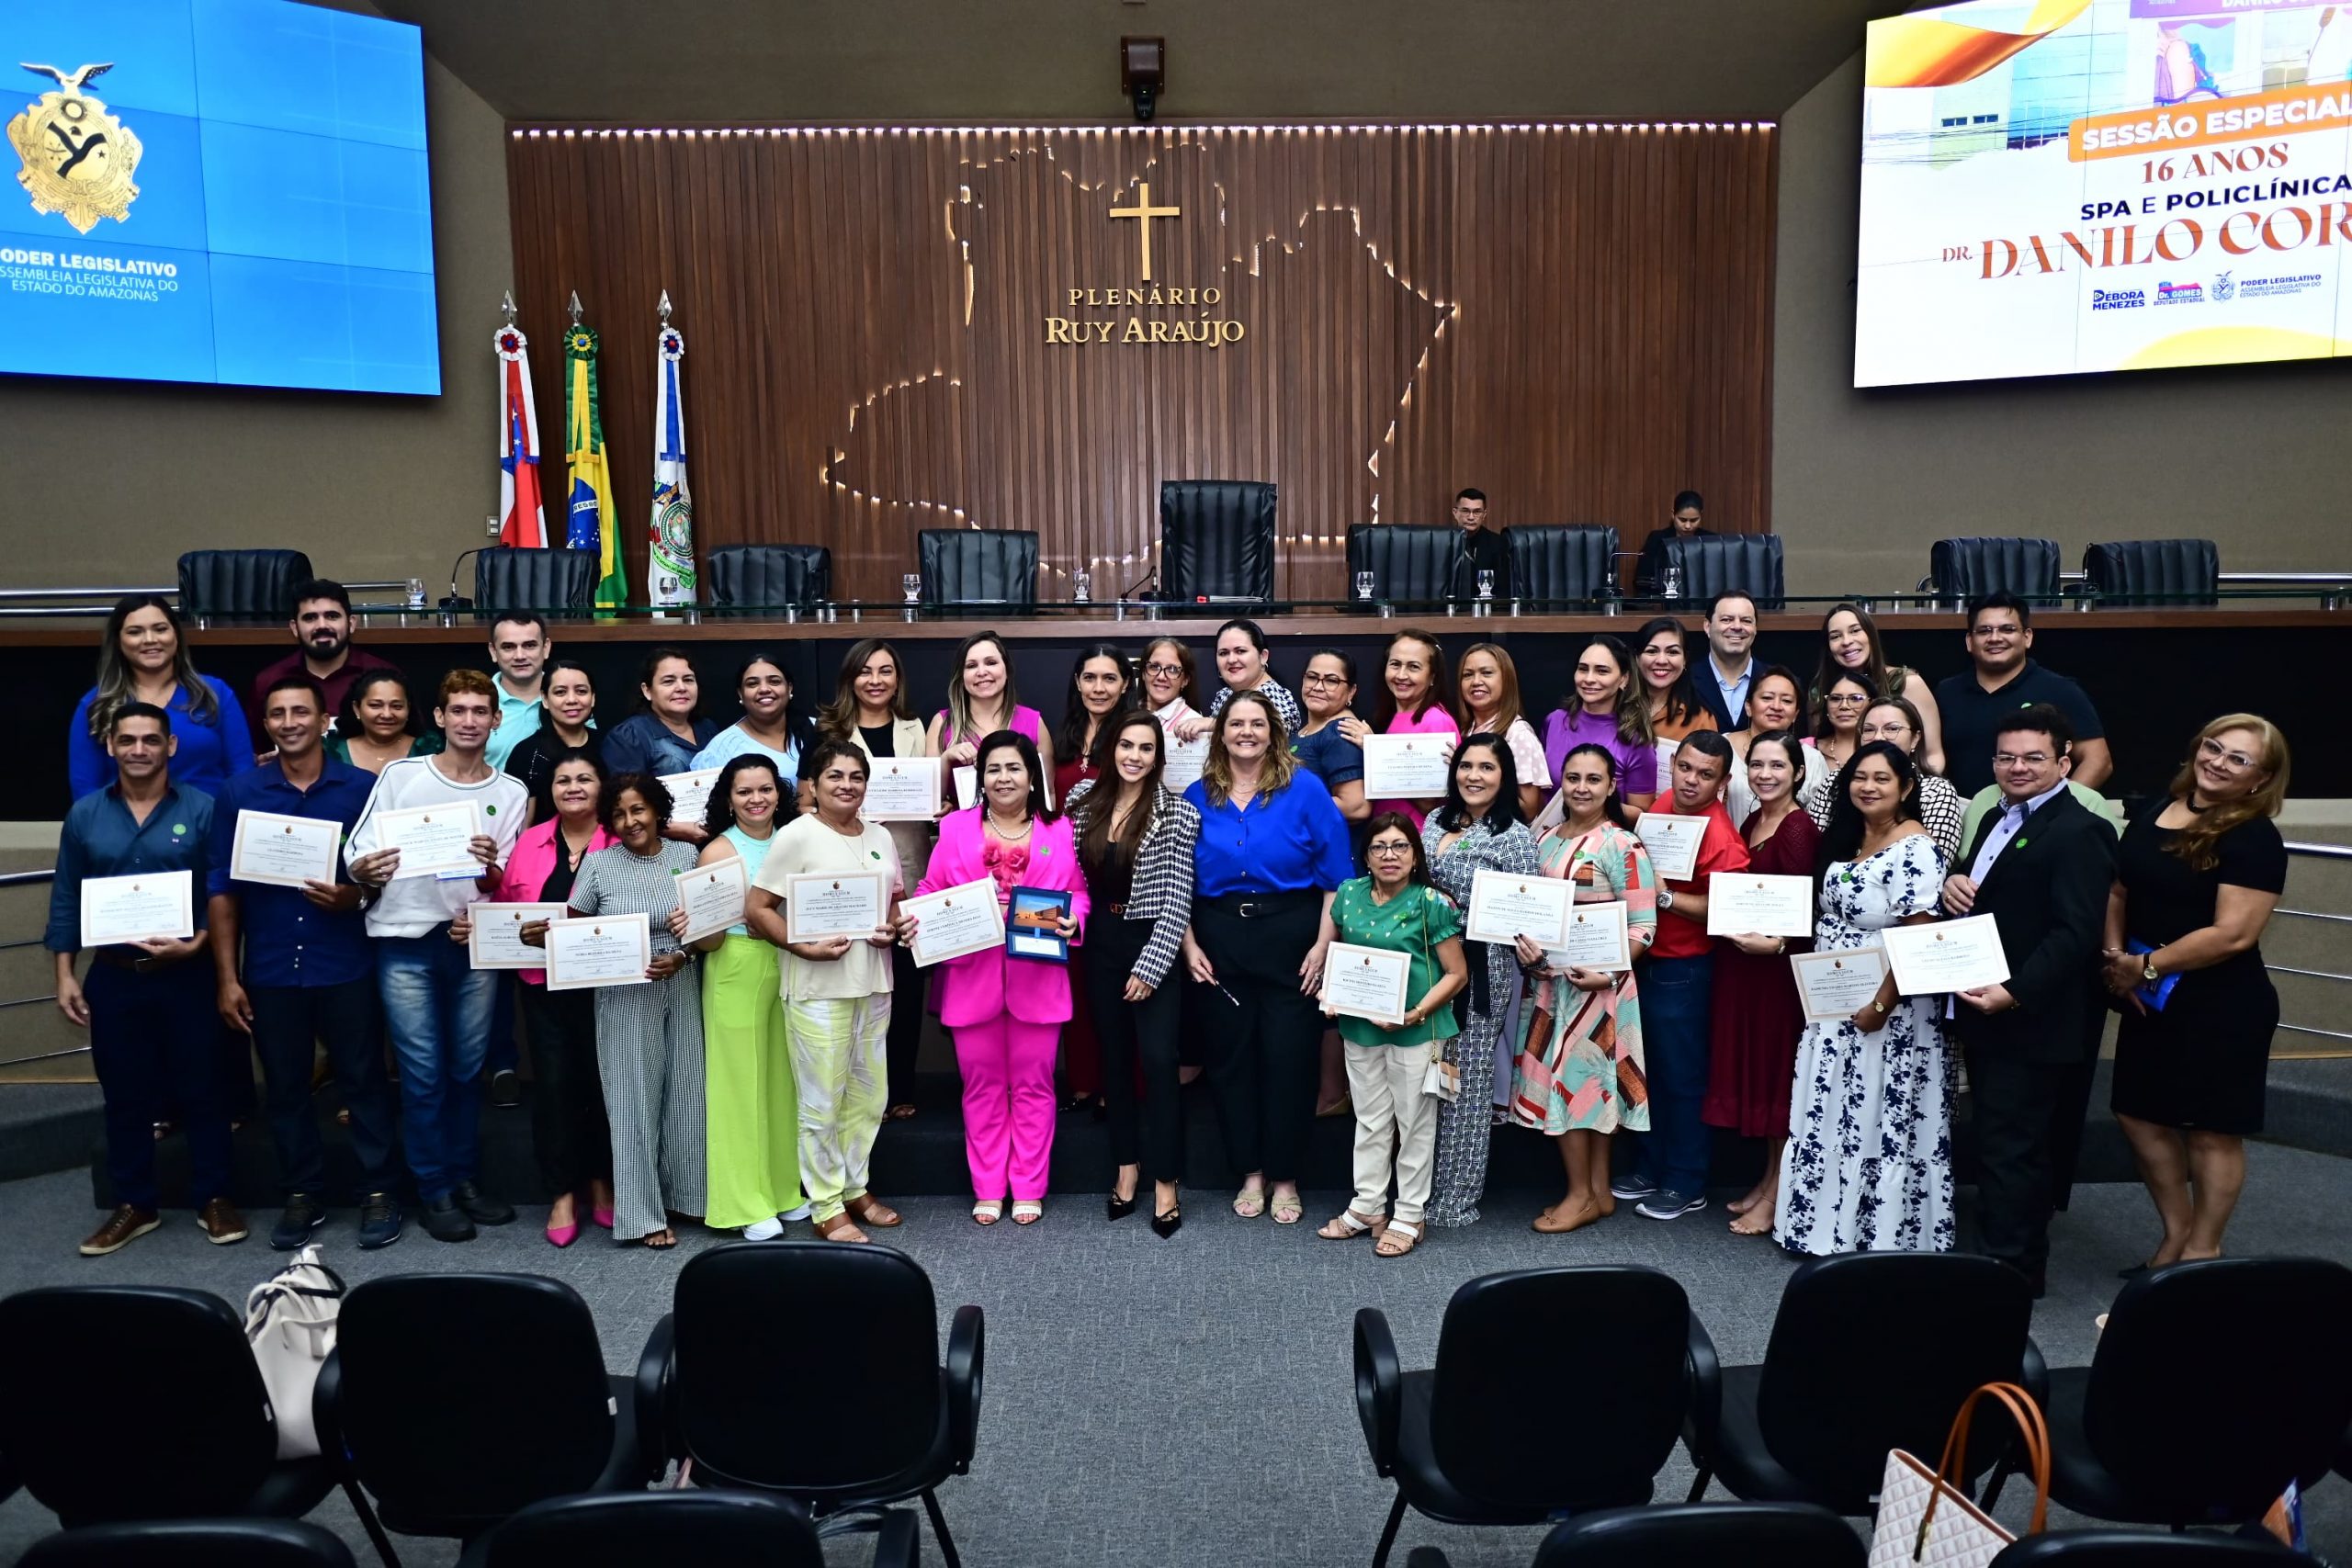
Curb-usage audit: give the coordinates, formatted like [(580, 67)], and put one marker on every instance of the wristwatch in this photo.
[(1666, 897), (2148, 974)]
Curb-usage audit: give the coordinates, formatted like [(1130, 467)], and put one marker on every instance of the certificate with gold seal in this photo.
[(590, 951), (1673, 843), (1946, 955), (156, 906), (1833, 986), (820, 904), (1597, 939), (712, 897), (902, 789), (1366, 982), (497, 940), (433, 840), (1504, 907), (954, 921), (1744, 903), (285, 851)]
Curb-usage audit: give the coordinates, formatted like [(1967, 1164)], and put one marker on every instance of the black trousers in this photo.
[(1263, 1037), (288, 1020), (156, 1040), (1128, 1029), (909, 989), (2020, 1111), (569, 1128)]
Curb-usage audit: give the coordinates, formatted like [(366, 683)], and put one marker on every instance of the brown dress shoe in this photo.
[(222, 1223), (123, 1226)]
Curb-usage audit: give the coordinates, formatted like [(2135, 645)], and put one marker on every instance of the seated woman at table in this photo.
[(770, 727), (1490, 705), (1941, 811), (1242, 659), (1775, 702), (567, 723), (667, 729), (378, 726), (1850, 641), (143, 658), (1417, 697), (982, 699), (1604, 707)]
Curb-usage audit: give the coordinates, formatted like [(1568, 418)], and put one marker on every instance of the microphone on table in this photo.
[(1152, 577), (453, 602)]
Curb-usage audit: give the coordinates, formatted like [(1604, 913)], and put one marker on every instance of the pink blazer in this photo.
[(979, 986), (528, 865)]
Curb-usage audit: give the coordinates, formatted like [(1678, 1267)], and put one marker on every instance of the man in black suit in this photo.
[(2040, 867)]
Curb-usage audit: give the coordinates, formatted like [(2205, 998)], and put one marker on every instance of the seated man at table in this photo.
[(1477, 548), (321, 626), (147, 1007)]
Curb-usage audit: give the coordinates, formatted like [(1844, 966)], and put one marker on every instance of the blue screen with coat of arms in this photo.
[(229, 191)]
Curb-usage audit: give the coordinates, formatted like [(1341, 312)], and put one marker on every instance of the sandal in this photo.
[(1349, 1225), (1027, 1212), (661, 1240), (987, 1213), (1289, 1211), (1249, 1202), (872, 1211), (1400, 1237), (841, 1227), (899, 1113)]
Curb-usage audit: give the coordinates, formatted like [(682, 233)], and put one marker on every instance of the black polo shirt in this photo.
[(1476, 550), (1970, 712)]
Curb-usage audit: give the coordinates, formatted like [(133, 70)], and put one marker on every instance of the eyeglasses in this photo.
[(1384, 850), (2237, 762), (1887, 732), (1846, 699), (2006, 629), (2012, 759), (1163, 670), (1312, 679)]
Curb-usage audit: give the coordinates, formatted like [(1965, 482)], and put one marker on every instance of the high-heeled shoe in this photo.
[(1168, 1224), (564, 1235), (1118, 1208)]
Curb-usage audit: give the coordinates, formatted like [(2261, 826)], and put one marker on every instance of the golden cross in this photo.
[(1146, 212)]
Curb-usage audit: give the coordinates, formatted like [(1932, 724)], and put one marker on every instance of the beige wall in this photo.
[(2255, 457)]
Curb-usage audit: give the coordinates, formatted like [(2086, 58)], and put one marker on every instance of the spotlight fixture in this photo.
[(1142, 74)]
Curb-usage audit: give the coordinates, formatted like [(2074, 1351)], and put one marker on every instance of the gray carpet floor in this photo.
[(1190, 1401)]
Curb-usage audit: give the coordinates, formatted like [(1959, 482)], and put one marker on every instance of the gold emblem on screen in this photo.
[(79, 157)]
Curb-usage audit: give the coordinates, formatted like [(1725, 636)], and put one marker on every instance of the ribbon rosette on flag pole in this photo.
[(521, 520), (670, 561), (591, 525)]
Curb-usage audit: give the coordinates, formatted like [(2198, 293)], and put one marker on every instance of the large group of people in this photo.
[(743, 1085)]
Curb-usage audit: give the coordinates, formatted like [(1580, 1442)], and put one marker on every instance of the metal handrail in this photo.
[(28, 878), (2321, 852), (170, 592)]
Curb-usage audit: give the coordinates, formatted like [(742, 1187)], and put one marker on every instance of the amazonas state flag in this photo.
[(521, 519)]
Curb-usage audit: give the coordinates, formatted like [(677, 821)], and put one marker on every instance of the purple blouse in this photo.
[(1636, 760)]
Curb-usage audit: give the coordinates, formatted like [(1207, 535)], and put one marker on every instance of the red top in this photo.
[(357, 662), (1720, 849)]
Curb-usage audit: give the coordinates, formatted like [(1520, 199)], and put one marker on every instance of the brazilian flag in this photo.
[(591, 525)]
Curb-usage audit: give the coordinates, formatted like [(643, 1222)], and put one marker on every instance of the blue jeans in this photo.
[(1675, 994), (438, 1009)]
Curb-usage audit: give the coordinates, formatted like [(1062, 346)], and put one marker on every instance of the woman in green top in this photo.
[(1396, 907), (377, 725)]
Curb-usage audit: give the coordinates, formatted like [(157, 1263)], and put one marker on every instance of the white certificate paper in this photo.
[(902, 789), (690, 793), (821, 904), (1741, 903), (588, 951), (156, 906), (1504, 906), (967, 785), (712, 897), (285, 851), (1406, 767), (1596, 939), (1186, 759), (1946, 955), (1673, 843), (433, 840), (954, 921), (1833, 986), (1366, 982), (497, 940)]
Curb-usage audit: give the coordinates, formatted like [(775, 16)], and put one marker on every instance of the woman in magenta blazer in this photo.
[(1006, 1013)]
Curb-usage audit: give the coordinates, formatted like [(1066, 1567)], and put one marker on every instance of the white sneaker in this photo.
[(766, 1230), (802, 1213)]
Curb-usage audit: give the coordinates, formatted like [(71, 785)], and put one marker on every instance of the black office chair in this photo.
[(977, 566), (1560, 567), (764, 577), (1961, 569), (514, 577), (895, 1420), (1870, 1352), (1464, 1443), (1694, 1535), (2214, 1384), (709, 1529), (1409, 564), (1725, 563), (167, 1371), (449, 1443), (1217, 541), (2154, 571), (242, 585), (2134, 1549), (192, 1543)]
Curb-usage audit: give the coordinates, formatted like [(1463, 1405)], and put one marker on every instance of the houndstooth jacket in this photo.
[(1162, 885)]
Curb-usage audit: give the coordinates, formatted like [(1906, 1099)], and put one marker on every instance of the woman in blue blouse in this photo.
[(666, 731), (1272, 851), (145, 660)]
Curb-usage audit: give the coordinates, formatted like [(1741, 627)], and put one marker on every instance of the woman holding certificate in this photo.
[(666, 731), (1394, 1018), (1416, 698), (1490, 705), (1579, 1074), (981, 700), (143, 658), (1606, 709), (1868, 1163), (755, 1131), (1007, 1012)]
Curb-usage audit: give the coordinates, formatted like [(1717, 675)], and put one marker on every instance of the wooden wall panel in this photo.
[(1576, 318)]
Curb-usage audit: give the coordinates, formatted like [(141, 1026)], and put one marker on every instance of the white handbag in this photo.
[(290, 1323), (1924, 1520)]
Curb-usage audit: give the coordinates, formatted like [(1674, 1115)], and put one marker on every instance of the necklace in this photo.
[(855, 830), (1027, 828)]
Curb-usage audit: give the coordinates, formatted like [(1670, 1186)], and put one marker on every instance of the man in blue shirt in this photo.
[(309, 970), (153, 1039)]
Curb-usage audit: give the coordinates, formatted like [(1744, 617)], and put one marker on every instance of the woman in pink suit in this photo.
[(1006, 1013)]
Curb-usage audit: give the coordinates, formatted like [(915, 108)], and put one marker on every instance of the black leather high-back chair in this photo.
[(514, 577), (1561, 565), (2138, 1548), (1961, 569), (1410, 563), (897, 1421), (1464, 1450), (178, 1380), (977, 566), (242, 585), (1694, 1535), (192, 1543), (2154, 571), (708, 1529), (1724, 563), (764, 577), (1216, 540), (1870, 1352), (449, 1444)]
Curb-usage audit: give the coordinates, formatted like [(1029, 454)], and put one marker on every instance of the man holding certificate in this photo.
[(128, 862), (2040, 867), (304, 971)]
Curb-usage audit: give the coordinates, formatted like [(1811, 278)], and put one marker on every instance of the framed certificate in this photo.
[(1946, 955), (954, 921), (712, 897), (1741, 903), (821, 904), (497, 940), (1503, 908), (1673, 843), (690, 793), (1029, 933), (1834, 987), (1595, 939), (285, 851), (1406, 767), (158, 905), (433, 840), (902, 789), (590, 951), (1366, 982)]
